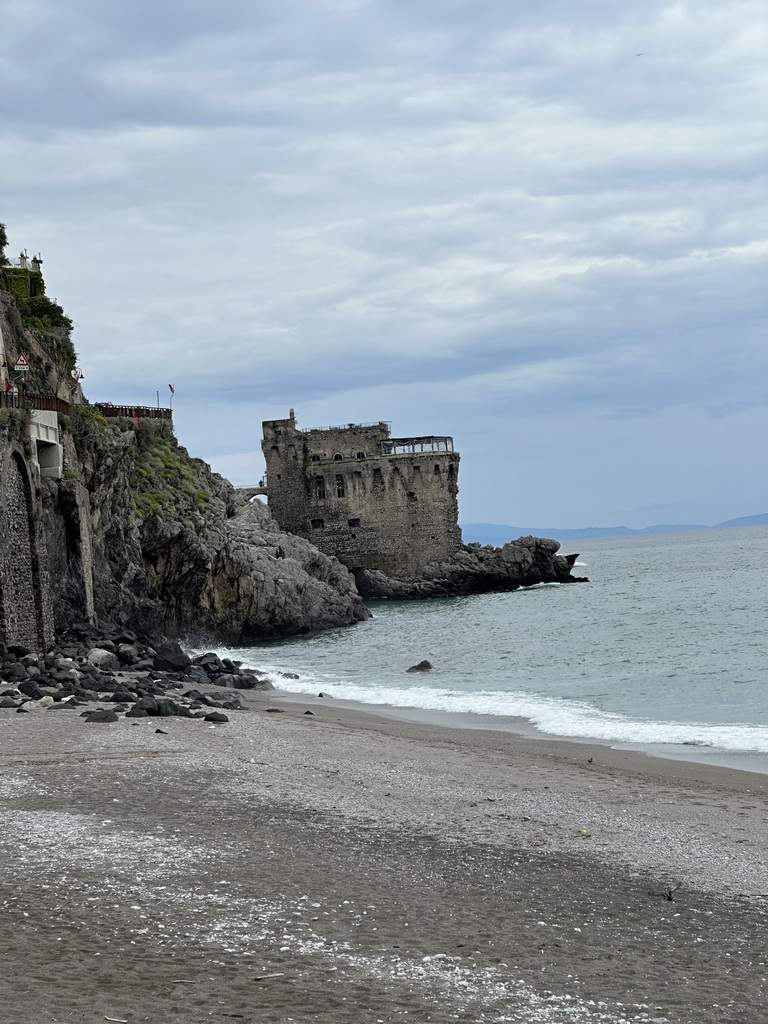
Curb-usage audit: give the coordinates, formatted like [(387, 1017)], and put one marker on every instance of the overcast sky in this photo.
[(541, 227)]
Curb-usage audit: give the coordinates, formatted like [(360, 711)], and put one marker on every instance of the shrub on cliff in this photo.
[(165, 478)]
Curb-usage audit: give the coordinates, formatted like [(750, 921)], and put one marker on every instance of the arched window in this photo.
[(314, 458), (340, 492), (320, 487), (360, 455), (337, 457)]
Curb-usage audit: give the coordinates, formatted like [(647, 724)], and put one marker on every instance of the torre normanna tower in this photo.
[(372, 500)]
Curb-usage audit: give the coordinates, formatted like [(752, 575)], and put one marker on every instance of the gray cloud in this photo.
[(470, 214)]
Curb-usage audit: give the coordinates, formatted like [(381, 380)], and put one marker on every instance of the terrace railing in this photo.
[(8, 400), (134, 412)]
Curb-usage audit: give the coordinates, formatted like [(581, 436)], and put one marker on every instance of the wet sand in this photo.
[(349, 867)]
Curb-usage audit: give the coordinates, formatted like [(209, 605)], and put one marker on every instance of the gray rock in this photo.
[(100, 716), (170, 658), (103, 660), (477, 570)]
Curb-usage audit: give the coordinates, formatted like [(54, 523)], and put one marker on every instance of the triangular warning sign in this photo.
[(22, 363)]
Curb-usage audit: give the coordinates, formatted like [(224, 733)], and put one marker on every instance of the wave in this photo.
[(566, 718)]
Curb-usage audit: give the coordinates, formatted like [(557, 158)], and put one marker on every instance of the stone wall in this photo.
[(395, 513), (25, 610)]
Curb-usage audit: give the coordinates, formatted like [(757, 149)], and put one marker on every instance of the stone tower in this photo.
[(372, 500)]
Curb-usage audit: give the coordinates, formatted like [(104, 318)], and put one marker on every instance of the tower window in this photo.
[(337, 457), (314, 458), (318, 524), (353, 522), (360, 455), (320, 487), (340, 491)]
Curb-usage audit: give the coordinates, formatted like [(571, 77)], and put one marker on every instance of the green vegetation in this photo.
[(165, 479), (38, 313), (26, 284), (44, 316), (86, 424), (14, 424)]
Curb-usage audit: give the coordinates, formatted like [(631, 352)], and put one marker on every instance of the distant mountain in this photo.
[(761, 520), (497, 534)]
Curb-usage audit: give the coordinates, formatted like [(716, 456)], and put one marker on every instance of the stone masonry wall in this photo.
[(25, 611), (395, 513)]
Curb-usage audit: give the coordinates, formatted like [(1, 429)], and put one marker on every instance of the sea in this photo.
[(664, 651)]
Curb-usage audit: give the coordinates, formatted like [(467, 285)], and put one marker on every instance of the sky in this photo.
[(540, 227)]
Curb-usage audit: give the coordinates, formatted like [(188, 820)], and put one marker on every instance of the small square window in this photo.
[(318, 524)]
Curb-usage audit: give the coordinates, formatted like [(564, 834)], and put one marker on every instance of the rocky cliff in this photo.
[(129, 530), (175, 547)]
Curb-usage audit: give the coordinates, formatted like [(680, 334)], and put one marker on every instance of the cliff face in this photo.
[(129, 530), (173, 546)]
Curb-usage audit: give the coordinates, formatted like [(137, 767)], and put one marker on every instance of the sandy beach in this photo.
[(343, 866)]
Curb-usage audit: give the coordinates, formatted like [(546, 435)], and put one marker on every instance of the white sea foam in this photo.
[(554, 716)]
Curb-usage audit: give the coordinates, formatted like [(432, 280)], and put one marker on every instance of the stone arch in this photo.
[(25, 615)]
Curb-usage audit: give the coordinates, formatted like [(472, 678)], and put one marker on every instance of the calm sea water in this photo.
[(664, 649)]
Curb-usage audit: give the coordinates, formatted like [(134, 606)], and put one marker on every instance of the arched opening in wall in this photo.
[(437, 470), (377, 485), (320, 487), (292, 452), (314, 458), (451, 472), (340, 490), (360, 455), (338, 458)]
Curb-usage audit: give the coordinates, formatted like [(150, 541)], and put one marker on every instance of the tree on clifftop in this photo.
[(3, 243)]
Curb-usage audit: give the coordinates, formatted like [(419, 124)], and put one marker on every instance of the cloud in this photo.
[(480, 211)]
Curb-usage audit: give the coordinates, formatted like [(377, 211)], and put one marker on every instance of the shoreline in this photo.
[(755, 762), (345, 866)]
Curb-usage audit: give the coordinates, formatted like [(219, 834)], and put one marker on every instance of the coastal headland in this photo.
[(340, 866)]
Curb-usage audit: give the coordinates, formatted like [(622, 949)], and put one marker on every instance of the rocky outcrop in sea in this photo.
[(475, 569)]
